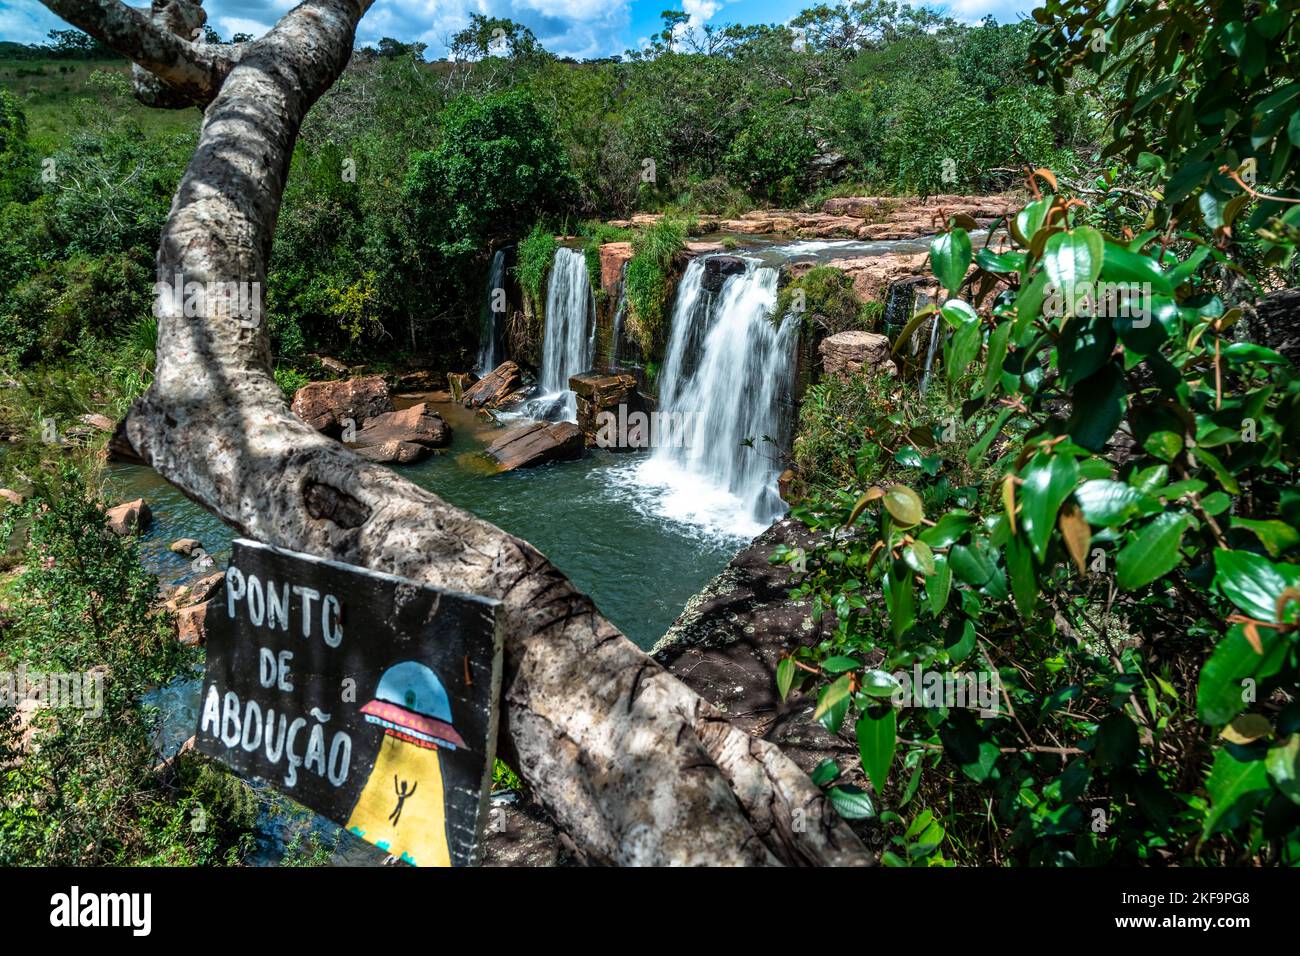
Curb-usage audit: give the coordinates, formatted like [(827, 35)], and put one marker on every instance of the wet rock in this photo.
[(847, 353), (416, 425), (394, 452), (597, 393), (494, 387), (185, 547), (326, 406), (718, 268), (131, 517), (536, 444)]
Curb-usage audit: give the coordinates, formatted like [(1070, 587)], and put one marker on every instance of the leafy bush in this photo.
[(1128, 581), (824, 298), (90, 793), (647, 283), (535, 254)]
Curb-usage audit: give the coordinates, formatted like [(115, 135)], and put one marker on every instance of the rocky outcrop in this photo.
[(536, 444), (613, 257), (596, 393), (730, 637), (326, 406), (847, 353), (496, 387), (11, 496), (393, 453), (193, 604), (131, 517), (853, 217), (185, 547)]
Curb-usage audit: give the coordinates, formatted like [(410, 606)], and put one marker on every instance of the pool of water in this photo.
[(638, 554)]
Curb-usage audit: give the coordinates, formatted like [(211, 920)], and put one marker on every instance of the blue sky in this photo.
[(579, 28)]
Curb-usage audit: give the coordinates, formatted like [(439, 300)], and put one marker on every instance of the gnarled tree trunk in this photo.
[(634, 766)]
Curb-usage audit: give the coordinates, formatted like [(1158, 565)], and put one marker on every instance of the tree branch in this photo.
[(160, 44)]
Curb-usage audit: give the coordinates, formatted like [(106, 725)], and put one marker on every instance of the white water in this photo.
[(569, 339), (490, 354), (728, 368)]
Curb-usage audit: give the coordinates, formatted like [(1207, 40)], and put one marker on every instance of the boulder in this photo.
[(191, 623), (718, 268), (11, 496), (417, 425), (331, 365), (536, 444), (597, 392), (131, 517), (847, 353), (494, 387), (185, 547), (325, 406), (394, 452)]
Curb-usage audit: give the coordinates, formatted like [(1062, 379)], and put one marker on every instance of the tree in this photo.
[(632, 764)]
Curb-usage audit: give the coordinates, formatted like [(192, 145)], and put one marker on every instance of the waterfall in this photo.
[(728, 370), (569, 339), (490, 352)]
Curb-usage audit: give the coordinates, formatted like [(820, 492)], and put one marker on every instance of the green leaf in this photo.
[(1233, 783), (1024, 583), (1120, 265), (938, 586), (784, 676), (958, 313), (1153, 553), (960, 350), (825, 772), (950, 255), (1283, 762), (838, 665), (949, 528), (830, 698), (899, 599), (1220, 689), (1048, 481), (852, 803), (919, 557), (1276, 536), (904, 506), (1106, 503), (878, 683), (1073, 262), (877, 740), (1253, 582), (1099, 403)]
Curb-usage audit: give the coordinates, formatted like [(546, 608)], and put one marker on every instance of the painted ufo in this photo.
[(411, 704)]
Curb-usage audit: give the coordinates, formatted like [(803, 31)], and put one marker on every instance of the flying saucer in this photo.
[(412, 705)]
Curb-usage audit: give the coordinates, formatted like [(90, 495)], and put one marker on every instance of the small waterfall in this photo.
[(490, 352), (620, 315), (727, 370), (569, 339)]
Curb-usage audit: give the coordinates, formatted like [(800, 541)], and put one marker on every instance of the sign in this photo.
[(367, 697)]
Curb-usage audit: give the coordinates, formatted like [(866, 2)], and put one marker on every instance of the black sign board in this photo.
[(367, 697)]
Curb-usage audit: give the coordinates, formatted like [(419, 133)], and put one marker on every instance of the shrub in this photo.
[(824, 298), (647, 283)]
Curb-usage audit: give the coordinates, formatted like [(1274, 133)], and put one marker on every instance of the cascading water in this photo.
[(569, 338), (490, 352), (728, 368)]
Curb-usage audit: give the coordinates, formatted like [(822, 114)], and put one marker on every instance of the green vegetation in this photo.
[(824, 298), (536, 252), (647, 283), (1103, 529), (88, 793)]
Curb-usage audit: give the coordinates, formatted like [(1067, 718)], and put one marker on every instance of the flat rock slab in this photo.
[(536, 444), (417, 425)]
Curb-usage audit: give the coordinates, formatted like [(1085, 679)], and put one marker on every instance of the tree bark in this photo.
[(633, 765)]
